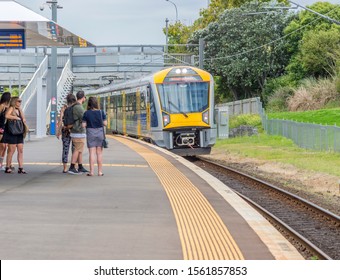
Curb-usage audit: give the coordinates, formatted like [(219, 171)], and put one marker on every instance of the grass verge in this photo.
[(324, 116), (283, 150)]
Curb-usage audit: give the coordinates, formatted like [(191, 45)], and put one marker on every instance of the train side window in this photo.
[(142, 100), (112, 102)]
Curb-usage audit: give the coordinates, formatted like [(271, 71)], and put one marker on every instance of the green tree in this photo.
[(217, 7), (245, 50), (178, 34), (300, 39), (318, 52)]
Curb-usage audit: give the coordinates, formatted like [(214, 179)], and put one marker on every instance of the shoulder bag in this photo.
[(105, 142), (16, 127)]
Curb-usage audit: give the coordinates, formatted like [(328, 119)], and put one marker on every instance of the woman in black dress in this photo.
[(15, 142), (4, 104)]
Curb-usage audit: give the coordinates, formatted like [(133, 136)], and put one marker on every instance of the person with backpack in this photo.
[(63, 130), (78, 135)]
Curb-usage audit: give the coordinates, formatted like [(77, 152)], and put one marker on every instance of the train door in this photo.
[(148, 106), (143, 110), (115, 112), (112, 114)]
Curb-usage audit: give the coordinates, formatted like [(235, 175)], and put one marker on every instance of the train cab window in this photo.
[(187, 97), (153, 111)]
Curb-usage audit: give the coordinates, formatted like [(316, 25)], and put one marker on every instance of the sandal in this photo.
[(89, 174), (8, 170), (21, 171), (101, 174)]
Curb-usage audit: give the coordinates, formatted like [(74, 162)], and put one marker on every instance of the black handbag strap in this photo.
[(101, 116)]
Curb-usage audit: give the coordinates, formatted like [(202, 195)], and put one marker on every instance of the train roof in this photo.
[(156, 77)]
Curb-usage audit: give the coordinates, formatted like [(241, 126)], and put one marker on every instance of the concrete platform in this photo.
[(150, 204)]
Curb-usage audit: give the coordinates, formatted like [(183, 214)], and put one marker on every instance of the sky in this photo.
[(119, 22)]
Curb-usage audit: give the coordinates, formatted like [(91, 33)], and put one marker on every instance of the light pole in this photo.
[(166, 34), (175, 8), (53, 4)]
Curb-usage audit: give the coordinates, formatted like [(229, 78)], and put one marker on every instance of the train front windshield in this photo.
[(185, 97)]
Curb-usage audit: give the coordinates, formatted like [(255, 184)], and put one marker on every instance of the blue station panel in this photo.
[(12, 39)]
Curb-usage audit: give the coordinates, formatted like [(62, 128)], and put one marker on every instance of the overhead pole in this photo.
[(175, 9), (314, 12), (166, 34), (54, 95), (54, 101), (201, 53)]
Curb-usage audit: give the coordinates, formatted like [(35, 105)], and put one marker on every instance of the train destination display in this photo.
[(12, 39)]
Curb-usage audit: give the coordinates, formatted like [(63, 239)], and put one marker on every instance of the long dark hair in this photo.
[(5, 97), (92, 103), (70, 99)]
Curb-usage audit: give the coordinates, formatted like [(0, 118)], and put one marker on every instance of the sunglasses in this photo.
[(19, 101)]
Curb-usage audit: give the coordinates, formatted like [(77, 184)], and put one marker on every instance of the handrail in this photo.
[(63, 87), (31, 88)]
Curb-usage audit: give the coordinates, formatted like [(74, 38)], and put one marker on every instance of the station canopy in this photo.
[(39, 31)]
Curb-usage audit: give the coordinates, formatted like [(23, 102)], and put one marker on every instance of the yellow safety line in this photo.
[(104, 164), (202, 232)]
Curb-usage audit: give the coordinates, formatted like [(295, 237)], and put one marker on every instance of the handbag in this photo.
[(105, 143), (16, 127)]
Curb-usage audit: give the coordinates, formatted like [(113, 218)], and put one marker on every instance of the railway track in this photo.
[(314, 231)]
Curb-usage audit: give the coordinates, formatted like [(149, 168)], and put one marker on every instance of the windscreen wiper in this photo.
[(184, 114)]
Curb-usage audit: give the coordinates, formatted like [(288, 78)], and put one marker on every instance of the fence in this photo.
[(305, 135), (245, 106)]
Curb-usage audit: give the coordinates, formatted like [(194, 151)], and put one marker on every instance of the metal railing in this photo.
[(244, 106), (64, 87), (305, 135), (31, 88)]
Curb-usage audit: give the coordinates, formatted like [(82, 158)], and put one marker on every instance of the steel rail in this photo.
[(327, 215)]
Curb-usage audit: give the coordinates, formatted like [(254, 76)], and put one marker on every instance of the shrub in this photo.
[(278, 101), (313, 95), (253, 120), (337, 84)]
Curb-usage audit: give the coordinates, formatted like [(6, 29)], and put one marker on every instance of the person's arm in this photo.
[(104, 119), (9, 114), (60, 123), (84, 122), (22, 115)]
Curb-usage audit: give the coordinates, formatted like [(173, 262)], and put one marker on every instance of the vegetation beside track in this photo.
[(323, 116), (279, 149)]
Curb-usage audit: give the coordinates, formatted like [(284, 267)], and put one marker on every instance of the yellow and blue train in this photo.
[(173, 108)]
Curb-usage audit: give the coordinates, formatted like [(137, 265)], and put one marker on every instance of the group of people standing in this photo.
[(10, 111), (87, 125)]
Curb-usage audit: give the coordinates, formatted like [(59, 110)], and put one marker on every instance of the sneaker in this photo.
[(3, 168), (82, 170), (73, 171)]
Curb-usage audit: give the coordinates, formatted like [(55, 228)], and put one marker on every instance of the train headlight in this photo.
[(166, 119), (181, 71), (205, 117)]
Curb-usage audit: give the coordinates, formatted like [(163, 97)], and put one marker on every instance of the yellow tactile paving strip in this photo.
[(203, 234), (104, 164)]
